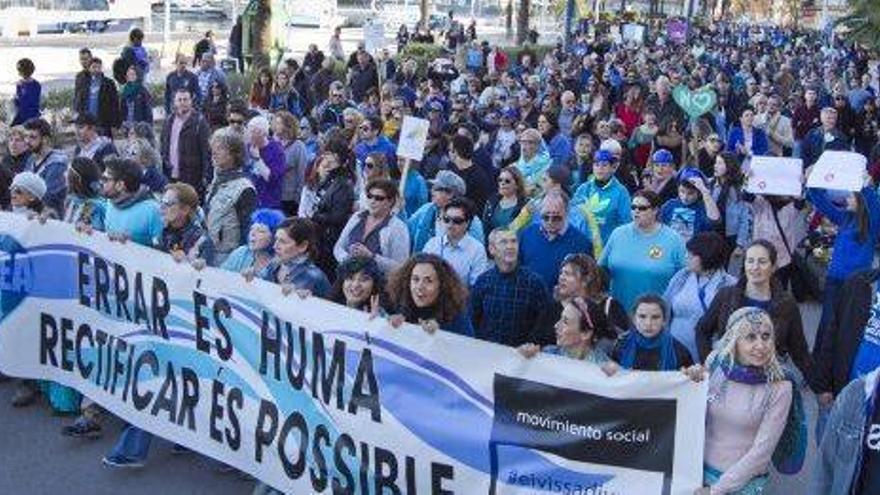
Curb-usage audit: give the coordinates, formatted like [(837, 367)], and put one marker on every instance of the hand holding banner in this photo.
[(413, 136), (775, 176), (839, 170)]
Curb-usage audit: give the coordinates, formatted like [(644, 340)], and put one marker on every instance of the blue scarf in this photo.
[(635, 342)]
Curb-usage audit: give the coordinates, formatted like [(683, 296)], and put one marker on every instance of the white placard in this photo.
[(413, 136), (374, 36), (633, 32), (839, 170), (775, 176)]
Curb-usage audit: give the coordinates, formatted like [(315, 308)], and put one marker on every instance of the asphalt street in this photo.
[(35, 459)]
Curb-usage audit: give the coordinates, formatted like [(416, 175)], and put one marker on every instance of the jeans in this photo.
[(822, 413), (796, 149), (829, 300), (133, 444)]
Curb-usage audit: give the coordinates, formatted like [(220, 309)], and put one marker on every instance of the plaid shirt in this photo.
[(506, 307)]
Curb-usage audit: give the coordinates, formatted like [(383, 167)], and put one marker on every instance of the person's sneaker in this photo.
[(118, 461), (24, 396), (82, 428)]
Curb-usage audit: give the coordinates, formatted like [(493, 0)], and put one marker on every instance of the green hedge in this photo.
[(425, 54)]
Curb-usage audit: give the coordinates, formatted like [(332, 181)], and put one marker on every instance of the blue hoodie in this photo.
[(850, 254)]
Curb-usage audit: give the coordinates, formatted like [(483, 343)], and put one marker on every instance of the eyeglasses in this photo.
[(641, 207), (454, 220), (377, 197), (551, 218)]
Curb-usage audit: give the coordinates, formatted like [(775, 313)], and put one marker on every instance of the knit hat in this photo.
[(603, 156), (30, 182), (446, 179)]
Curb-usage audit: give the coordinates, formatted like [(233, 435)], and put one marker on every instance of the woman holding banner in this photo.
[(753, 414), (360, 285), (425, 290), (580, 327), (293, 266)]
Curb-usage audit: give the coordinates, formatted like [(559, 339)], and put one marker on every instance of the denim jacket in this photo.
[(840, 453)]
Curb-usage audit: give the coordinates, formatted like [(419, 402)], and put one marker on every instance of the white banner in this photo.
[(839, 170), (775, 176), (312, 397)]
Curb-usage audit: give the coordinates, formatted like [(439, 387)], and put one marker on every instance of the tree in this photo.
[(863, 23), (522, 21), (423, 13), (262, 33)]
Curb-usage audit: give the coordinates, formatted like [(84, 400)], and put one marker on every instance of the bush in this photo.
[(423, 53)]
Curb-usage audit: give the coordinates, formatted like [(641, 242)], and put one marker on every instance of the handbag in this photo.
[(801, 287)]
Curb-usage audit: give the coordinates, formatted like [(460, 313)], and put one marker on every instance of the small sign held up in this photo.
[(776, 176), (839, 170), (413, 136)]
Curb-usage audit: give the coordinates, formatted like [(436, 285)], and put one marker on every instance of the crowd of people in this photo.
[(565, 204)]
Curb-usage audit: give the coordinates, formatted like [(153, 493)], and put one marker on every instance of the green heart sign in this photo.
[(694, 103)]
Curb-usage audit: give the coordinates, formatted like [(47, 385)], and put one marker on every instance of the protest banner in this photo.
[(374, 35), (413, 136), (313, 397), (839, 170), (633, 33), (676, 30), (775, 176)]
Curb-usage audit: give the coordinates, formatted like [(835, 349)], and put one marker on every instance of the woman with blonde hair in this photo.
[(754, 413)]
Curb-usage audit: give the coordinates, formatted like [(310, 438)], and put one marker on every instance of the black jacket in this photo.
[(195, 155), (834, 359), (332, 211), (109, 113)]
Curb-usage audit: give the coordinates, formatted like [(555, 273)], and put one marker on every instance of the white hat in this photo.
[(31, 183)]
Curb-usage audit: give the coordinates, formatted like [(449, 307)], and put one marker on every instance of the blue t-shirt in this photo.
[(640, 263), (686, 220), (868, 355)]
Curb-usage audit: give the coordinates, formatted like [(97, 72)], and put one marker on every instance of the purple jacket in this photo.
[(269, 191)]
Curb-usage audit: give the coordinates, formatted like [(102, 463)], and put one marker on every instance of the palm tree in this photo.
[(262, 33), (863, 22)]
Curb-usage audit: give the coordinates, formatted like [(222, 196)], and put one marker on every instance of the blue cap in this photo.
[(435, 106), (688, 173), (510, 113), (603, 156), (663, 157)]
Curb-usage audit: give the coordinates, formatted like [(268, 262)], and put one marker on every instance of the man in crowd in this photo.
[(185, 153), (544, 244), (823, 138), (478, 184), (49, 163), (180, 78), (207, 75), (100, 99), (91, 144), (508, 299), (466, 255)]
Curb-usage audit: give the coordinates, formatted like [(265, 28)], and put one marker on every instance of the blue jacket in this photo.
[(560, 149), (52, 169), (27, 101), (842, 447), (422, 226), (544, 257), (850, 255), (760, 145)]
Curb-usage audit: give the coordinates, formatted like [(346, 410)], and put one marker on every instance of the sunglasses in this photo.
[(454, 220), (551, 218), (377, 197), (641, 207), (235, 122), (504, 181)]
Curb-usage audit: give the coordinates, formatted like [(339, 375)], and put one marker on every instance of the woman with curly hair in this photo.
[(425, 290), (261, 91)]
